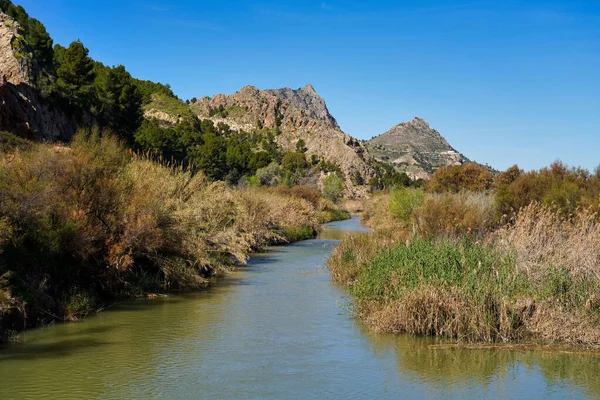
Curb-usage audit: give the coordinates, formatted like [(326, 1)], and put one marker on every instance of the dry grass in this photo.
[(376, 212), (542, 238), (353, 206), (455, 215), (448, 312)]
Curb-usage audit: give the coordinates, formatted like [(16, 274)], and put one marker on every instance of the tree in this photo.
[(294, 162), (151, 137), (333, 187), (301, 146), (259, 160), (76, 75), (210, 157), (120, 101)]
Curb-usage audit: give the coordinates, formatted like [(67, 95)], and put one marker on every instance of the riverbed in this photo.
[(278, 328)]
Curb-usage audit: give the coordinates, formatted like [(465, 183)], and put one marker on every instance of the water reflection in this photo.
[(500, 372)]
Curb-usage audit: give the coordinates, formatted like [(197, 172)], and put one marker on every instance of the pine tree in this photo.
[(76, 75), (119, 101)]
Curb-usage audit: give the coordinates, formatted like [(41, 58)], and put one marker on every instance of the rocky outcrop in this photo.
[(13, 68), (22, 110), (297, 114), (308, 100), (415, 148)]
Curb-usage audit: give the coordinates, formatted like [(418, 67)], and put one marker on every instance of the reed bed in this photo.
[(450, 267)]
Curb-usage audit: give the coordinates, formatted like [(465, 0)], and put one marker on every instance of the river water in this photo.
[(277, 329)]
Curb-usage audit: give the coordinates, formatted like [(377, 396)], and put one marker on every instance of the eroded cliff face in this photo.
[(22, 110), (13, 69), (299, 114), (415, 148)]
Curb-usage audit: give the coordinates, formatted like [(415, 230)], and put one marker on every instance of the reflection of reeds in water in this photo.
[(446, 365)]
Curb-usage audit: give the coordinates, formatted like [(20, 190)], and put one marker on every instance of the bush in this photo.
[(10, 142), (403, 201), (559, 186), (269, 175), (456, 178)]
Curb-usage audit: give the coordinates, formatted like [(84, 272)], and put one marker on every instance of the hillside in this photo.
[(295, 115), (415, 148), (48, 92)]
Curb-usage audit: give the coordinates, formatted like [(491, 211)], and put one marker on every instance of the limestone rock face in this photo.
[(22, 110), (308, 100), (11, 69), (415, 148), (299, 114)]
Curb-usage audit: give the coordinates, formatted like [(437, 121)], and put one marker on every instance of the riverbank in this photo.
[(84, 225), (260, 327), (446, 265)]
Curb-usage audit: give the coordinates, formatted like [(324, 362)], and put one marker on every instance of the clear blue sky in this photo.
[(504, 81)]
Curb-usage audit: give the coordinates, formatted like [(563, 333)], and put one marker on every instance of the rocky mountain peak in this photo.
[(415, 148), (308, 88), (248, 90), (308, 100)]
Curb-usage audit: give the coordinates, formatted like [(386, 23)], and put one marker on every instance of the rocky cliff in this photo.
[(296, 114), (22, 110), (415, 148)]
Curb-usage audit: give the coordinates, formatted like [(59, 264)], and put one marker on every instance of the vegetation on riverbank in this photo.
[(460, 260), (81, 225)]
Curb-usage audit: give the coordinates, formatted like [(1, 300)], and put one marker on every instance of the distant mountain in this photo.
[(415, 148), (296, 115)]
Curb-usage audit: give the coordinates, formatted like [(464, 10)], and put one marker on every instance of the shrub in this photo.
[(455, 178), (403, 201), (294, 162), (269, 175), (333, 187), (558, 185), (10, 142)]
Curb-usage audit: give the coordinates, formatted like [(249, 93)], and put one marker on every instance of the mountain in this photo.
[(415, 148), (295, 115)]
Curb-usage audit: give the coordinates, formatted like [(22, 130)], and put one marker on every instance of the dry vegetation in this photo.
[(453, 263), (85, 224)]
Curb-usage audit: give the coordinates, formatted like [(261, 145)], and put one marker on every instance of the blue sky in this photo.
[(504, 81)]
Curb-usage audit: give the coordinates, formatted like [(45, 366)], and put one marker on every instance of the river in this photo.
[(276, 329)]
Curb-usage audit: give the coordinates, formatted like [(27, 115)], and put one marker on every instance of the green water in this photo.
[(276, 329)]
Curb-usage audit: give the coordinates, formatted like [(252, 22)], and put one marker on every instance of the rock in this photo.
[(22, 110), (12, 70)]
